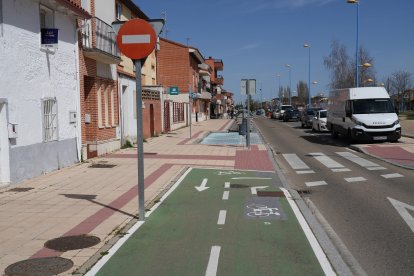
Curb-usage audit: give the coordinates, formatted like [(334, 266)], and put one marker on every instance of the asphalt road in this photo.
[(357, 195)]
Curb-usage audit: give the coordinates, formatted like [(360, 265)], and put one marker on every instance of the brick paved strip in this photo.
[(188, 139), (177, 156), (393, 153), (100, 216), (253, 160)]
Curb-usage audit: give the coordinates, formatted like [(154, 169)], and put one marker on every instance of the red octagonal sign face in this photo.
[(136, 39)]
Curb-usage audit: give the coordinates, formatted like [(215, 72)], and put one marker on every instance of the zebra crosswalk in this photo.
[(300, 166)]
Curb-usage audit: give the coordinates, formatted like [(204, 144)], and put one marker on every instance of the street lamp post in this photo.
[(357, 42), (289, 67), (278, 91), (309, 69)]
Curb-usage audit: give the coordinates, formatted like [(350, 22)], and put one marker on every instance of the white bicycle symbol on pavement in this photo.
[(261, 211)]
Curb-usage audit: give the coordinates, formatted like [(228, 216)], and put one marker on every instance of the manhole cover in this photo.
[(270, 194), (102, 166), (39, 267), (20, 189), (239, 186), (63, 244), (304, 192)]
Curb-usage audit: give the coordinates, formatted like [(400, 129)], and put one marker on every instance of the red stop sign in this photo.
[(136, 39)]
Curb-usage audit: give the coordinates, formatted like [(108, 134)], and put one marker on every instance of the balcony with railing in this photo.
[(218, 65), (99, 42), (219, 80)]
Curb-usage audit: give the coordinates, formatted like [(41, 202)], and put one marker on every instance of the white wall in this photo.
[(29, 74)]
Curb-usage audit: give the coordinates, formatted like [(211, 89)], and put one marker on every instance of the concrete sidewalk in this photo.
[(99, 197)]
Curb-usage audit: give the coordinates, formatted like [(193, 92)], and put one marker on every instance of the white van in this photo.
[(283, 108), (363, 114)]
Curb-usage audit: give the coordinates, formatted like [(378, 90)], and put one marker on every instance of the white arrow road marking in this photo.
[(251, 178), (222, 217), (402, 208), (132, 39), (202, 187), (213, 261), (254, 189)]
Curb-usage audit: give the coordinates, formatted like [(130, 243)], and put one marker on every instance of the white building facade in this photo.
[(39, 88)]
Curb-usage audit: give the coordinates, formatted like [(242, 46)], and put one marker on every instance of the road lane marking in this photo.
[(251, 178), (213, 261), (355, 179), (226, 195), (305, 172), (358, 160), (226, 185), (203, 185), (95, 269), (253, 190), (402, 209), (315, 183), (320, 255), (341, 170), (379, 168), (295, 162), (392, 175), (326, 161), (222, 217)]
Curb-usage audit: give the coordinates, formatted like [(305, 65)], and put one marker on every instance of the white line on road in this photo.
[(341, 170), (358, 160), (251, 178), (392, 175), (379, 168), (213, 261), (326, 161), (226, 195), (320, 255), (295, 162), (222, 217), (355, 179), (305, 172), (226, 185), (315, 183)]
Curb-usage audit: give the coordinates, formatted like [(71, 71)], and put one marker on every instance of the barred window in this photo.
[(50, 122), (178, 112)]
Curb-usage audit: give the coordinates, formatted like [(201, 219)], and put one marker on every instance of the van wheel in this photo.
[(334, 134)]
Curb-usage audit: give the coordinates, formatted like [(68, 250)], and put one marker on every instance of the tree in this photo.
[(400, 81), (343, 70), (339, 66), (303, 92)]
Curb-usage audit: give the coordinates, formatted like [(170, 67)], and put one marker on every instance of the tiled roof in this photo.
[(75, 6)]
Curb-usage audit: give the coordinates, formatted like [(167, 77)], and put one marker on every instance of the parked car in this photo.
[(319, 121), (291, 114), (283, 108), (306, 117), (276, 114)]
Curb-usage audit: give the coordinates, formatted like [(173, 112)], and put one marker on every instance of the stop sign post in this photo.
[(136, 39)]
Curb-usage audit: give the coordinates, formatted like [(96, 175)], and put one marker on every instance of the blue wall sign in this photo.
[(174, 90), (49, 36)]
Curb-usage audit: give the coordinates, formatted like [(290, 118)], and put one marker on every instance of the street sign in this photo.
[(49, 37), (243, 87), (252, 86), (136, 39), (174, 90)]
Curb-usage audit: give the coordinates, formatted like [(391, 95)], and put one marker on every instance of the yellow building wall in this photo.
[(149, 69)]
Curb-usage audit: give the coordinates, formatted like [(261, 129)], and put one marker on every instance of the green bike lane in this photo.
[(219, 222)]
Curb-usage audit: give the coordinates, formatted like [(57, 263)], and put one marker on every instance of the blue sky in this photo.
[(256, 38)]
